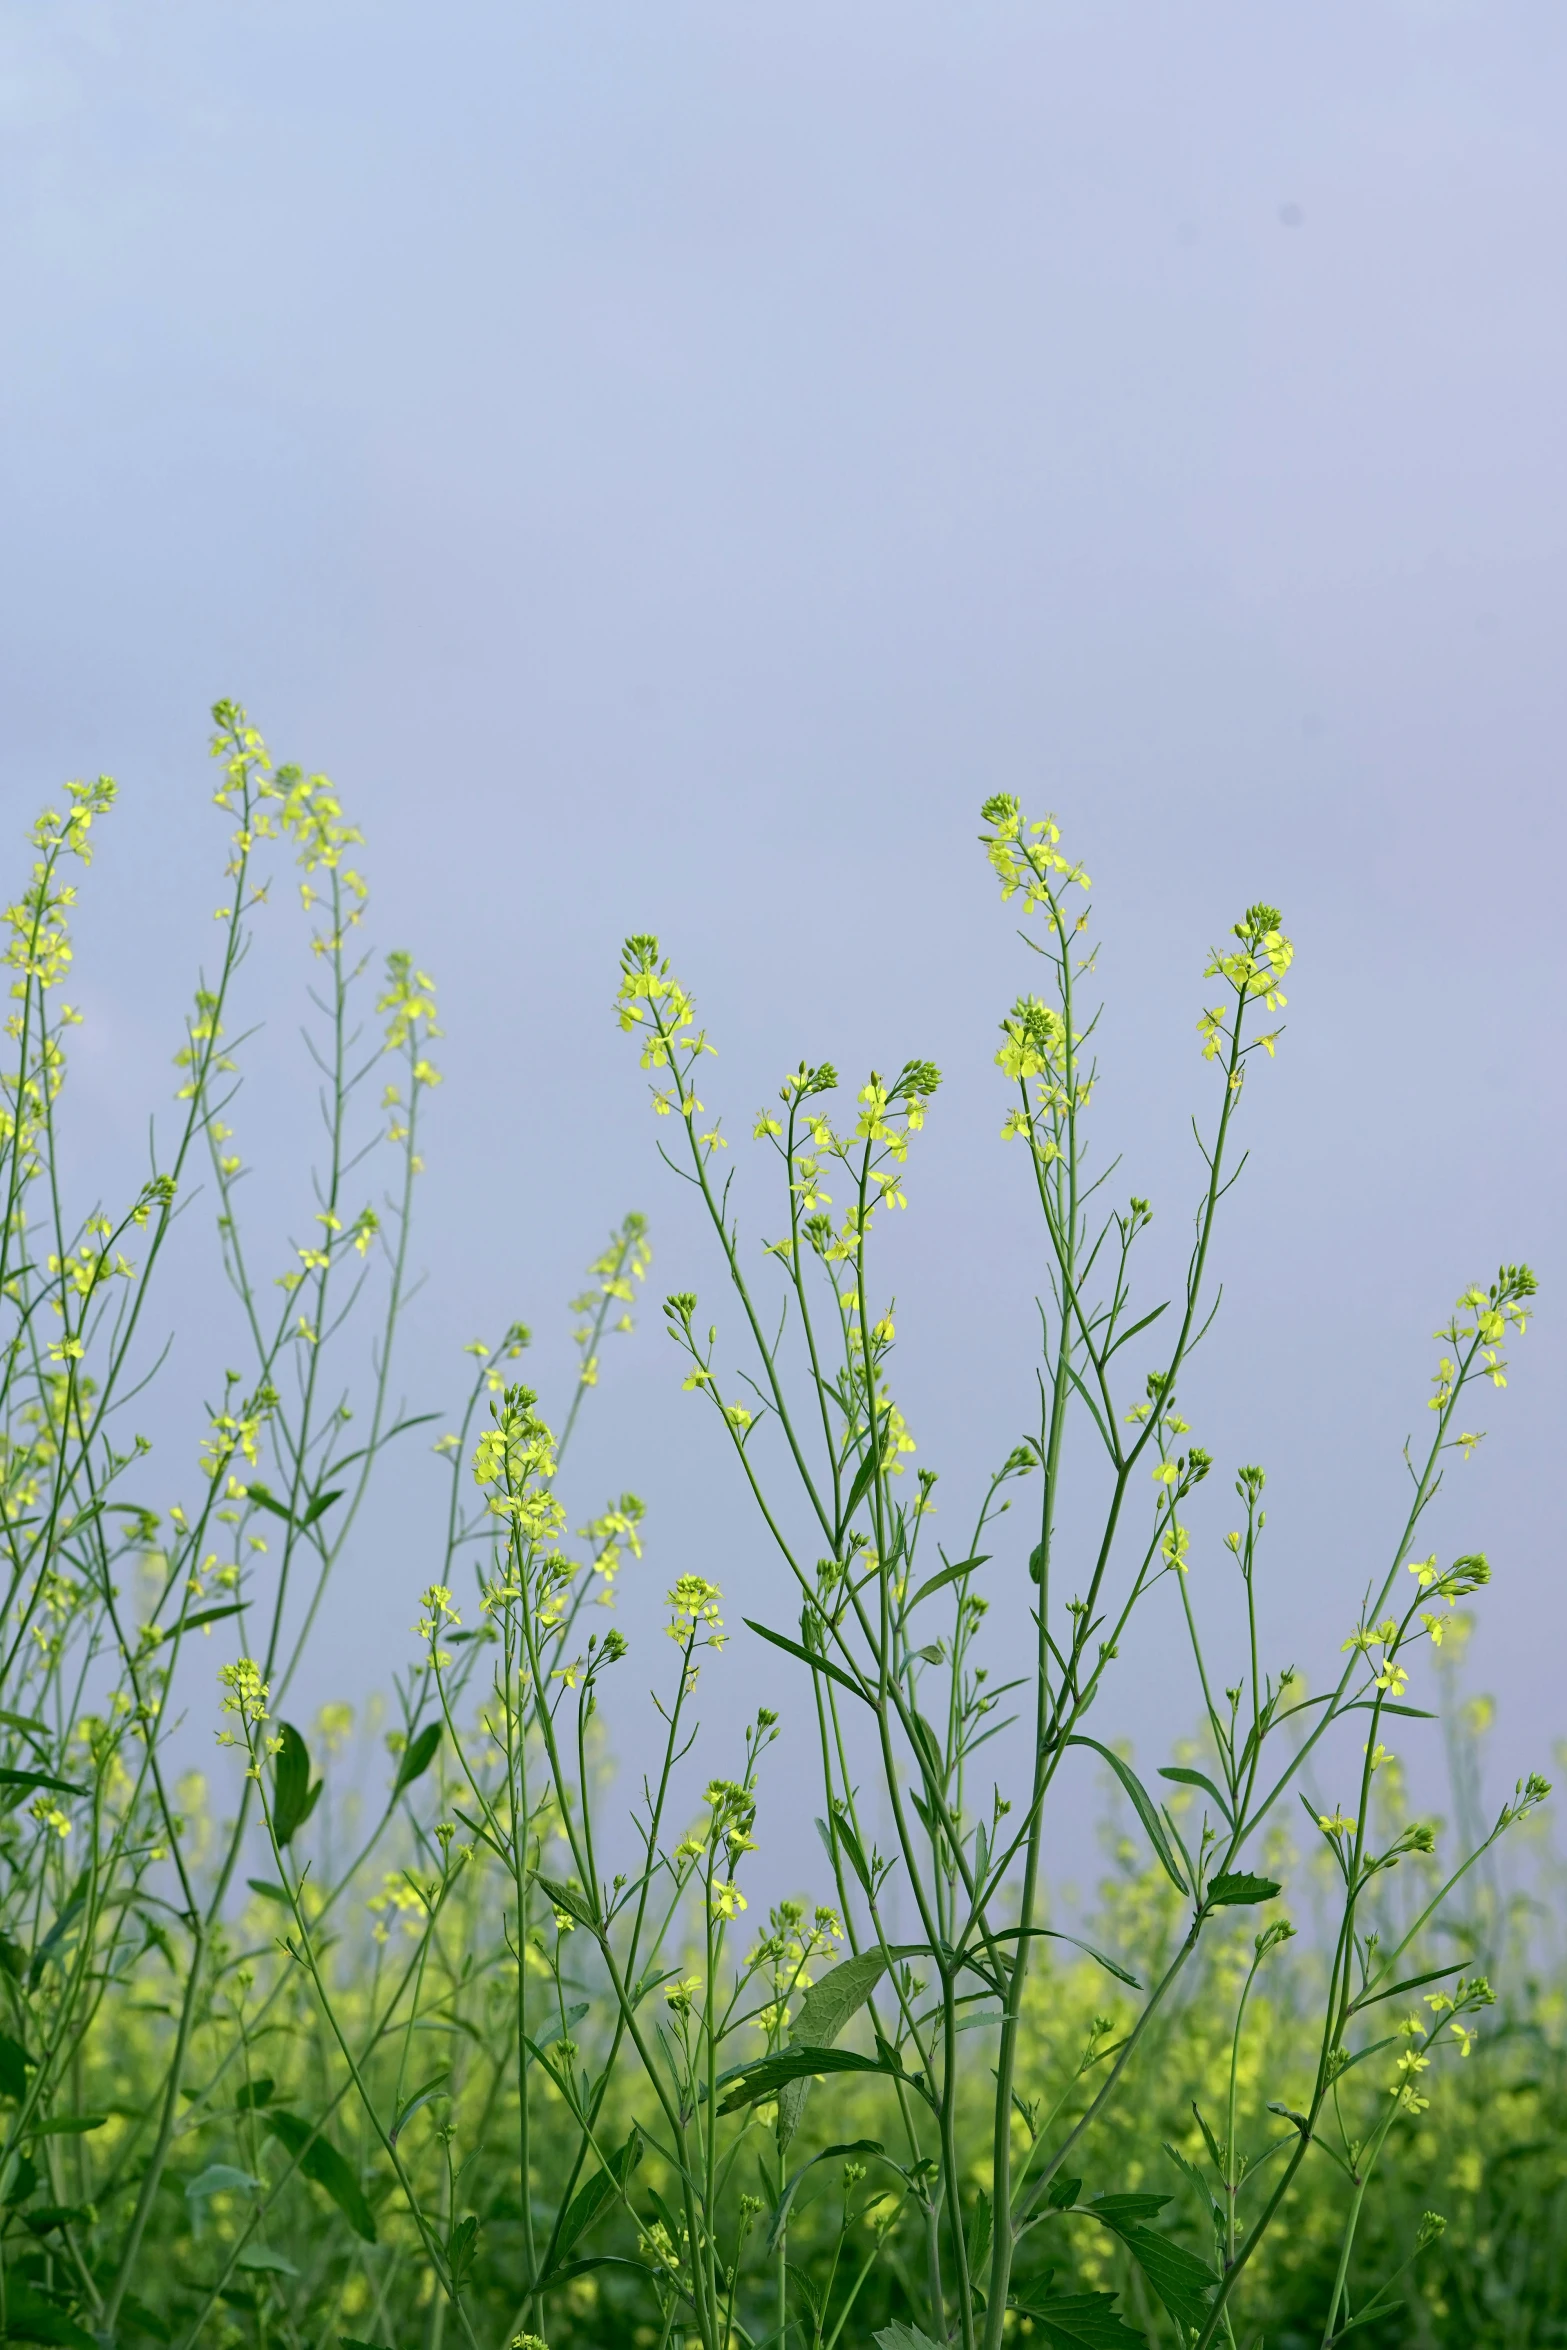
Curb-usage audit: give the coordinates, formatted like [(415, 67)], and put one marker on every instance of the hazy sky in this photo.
[(668, 463)]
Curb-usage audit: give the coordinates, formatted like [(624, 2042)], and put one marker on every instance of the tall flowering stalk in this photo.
[(818, 1439)]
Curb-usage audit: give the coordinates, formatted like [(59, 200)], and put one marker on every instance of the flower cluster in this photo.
[(1265, 954), (1027, 857), (515, 1460), (37, 951), (245, 1697), (288, 804)]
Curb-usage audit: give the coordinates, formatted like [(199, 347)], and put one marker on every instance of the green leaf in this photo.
[(947, 1575), (589, 2200), (979, 2234), (31, 2317), (13, 2068), (265, 1499), (569, 1898), (1142, 1804), (843, 1828), (405, 2112), (205, 1615), (928, 1748), (1368, 2317), (262, 2259), (805, 2285), (268, 1891), (1197, 1779), (825, 2009), (1062, 2193), (23, 2178), (581, 2268), (46, 2216), (294, 1798), (27, 1722), (25, 1782), (555, 2027), (145, 2320), (1080, 2321), (319, 1507), (1054, 1934), (1370, 1998), (780, 2219), (418, 1755), (1237, 1890), (842, 1991), (67, 2125), (1127, 2210), (462, 2247), (220, 2178), (48, 1951), (1183, 2162), (862, 1478), (808, 1656), (321, 2162), (765, 2078), (254, 2095), (902, 2337), (1182, 2281)]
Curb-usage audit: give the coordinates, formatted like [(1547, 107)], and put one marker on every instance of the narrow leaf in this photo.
[(979, 2234), (1142, 1804), (780, 2218), (265, 1499), (863, 1475), (262, 2258), (405, 2112), (144, 2320), (203, 1615), (574, 1903), (807, 1656), (319, 1507), (765, 2079), (1410, 1983), (418, 1755), (928, 1747), (948, 1575), (321, 2162), (1197, 1779), (591, 2198), (13, 2068), (291, 1797)]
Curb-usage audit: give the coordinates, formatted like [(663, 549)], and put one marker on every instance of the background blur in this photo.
[(667, 464)]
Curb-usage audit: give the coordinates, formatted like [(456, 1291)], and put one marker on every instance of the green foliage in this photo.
[(435, 2068)]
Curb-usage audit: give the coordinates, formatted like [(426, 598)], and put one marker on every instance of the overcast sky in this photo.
[(668, 463)]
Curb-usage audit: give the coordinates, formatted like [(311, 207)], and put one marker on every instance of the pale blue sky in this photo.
[(668, 463)]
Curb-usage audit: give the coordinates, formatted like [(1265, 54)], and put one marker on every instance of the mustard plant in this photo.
[(454, 2039), (888, 1642)]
